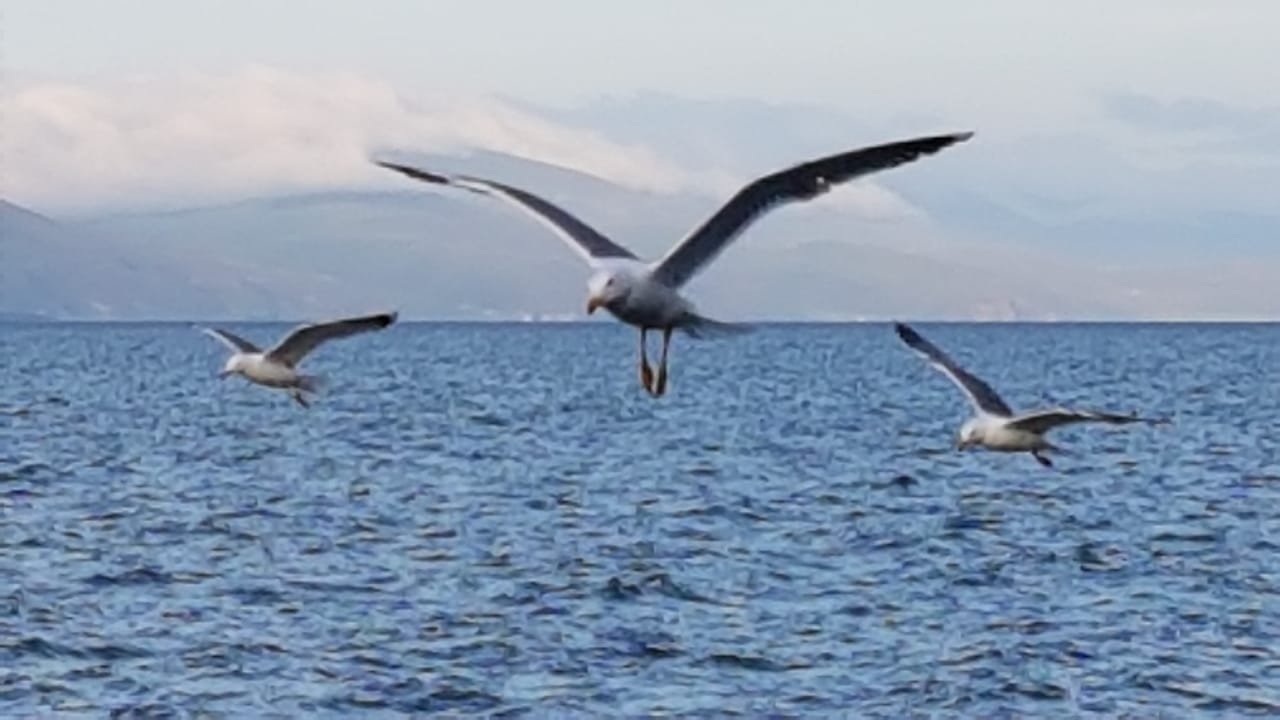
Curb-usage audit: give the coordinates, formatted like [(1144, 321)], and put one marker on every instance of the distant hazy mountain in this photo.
[(53, 270), (454, 256)]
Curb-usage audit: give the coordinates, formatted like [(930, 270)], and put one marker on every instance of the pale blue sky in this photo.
[(815, 50), (1119, 102)]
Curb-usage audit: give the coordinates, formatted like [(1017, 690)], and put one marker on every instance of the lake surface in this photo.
[(495, 520)]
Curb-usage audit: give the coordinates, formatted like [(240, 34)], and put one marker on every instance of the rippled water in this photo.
[(495, 520)]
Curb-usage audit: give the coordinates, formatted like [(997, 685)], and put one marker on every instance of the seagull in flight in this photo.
[(995, 426), (278, 367), (647, 295)]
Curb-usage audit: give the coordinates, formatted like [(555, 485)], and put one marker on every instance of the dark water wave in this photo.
[(495, 521)]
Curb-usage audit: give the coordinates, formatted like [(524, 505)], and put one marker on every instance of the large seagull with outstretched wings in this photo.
[(647, 295)]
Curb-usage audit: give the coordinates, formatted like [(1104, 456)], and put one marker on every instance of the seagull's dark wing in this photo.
[(582, 238), (980, 394), (306, 338), (234, 342), (801, 182), (1042, 421)]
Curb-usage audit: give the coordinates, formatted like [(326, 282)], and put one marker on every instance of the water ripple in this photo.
[(465, 531)]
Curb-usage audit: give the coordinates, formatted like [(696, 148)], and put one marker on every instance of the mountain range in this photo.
[(958, 255)]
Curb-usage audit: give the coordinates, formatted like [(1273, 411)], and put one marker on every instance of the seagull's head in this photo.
[(235, 366), (970, 435), (606, 289)]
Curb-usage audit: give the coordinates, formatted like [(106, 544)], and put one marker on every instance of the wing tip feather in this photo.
[(939, 142), (413, 172), (906, 333)]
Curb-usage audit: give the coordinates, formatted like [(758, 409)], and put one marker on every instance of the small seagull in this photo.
[(277, 367), (995, 426), (647, 295)]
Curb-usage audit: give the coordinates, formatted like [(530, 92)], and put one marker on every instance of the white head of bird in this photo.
[(236, 365), (605, 289), (970, 434)]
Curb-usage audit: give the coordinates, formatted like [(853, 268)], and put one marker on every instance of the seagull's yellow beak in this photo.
[(593, 303)]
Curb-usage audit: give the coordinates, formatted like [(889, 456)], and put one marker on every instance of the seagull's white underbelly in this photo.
[(1010, 440), (271, 374)]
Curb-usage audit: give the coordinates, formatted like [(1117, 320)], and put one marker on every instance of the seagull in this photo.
[(278, 367), (647, 295), (995, 426)]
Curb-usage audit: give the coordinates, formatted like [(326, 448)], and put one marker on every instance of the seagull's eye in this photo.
[(608, 283)]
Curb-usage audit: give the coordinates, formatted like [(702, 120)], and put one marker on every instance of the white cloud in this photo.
[(153, 141), (868, 201)]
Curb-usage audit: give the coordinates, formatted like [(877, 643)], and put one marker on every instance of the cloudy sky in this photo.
[(1151, 104)]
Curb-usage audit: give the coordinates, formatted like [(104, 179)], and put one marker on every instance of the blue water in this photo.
[(496, 520)]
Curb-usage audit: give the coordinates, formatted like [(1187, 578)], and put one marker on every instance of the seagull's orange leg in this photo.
[(646, 372), (660, 387)]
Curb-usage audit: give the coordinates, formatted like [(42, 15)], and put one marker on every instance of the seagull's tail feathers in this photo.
[(698, 326), (311, 383), (1132, 417)]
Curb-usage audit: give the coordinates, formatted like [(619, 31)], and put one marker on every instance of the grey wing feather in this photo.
[(231, 340), (1042, 421), (297, 344), (800, 182), (582, 238), (980, 394)]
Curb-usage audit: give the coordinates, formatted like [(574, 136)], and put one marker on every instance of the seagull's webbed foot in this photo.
[(300, 399), (1041, 459)]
